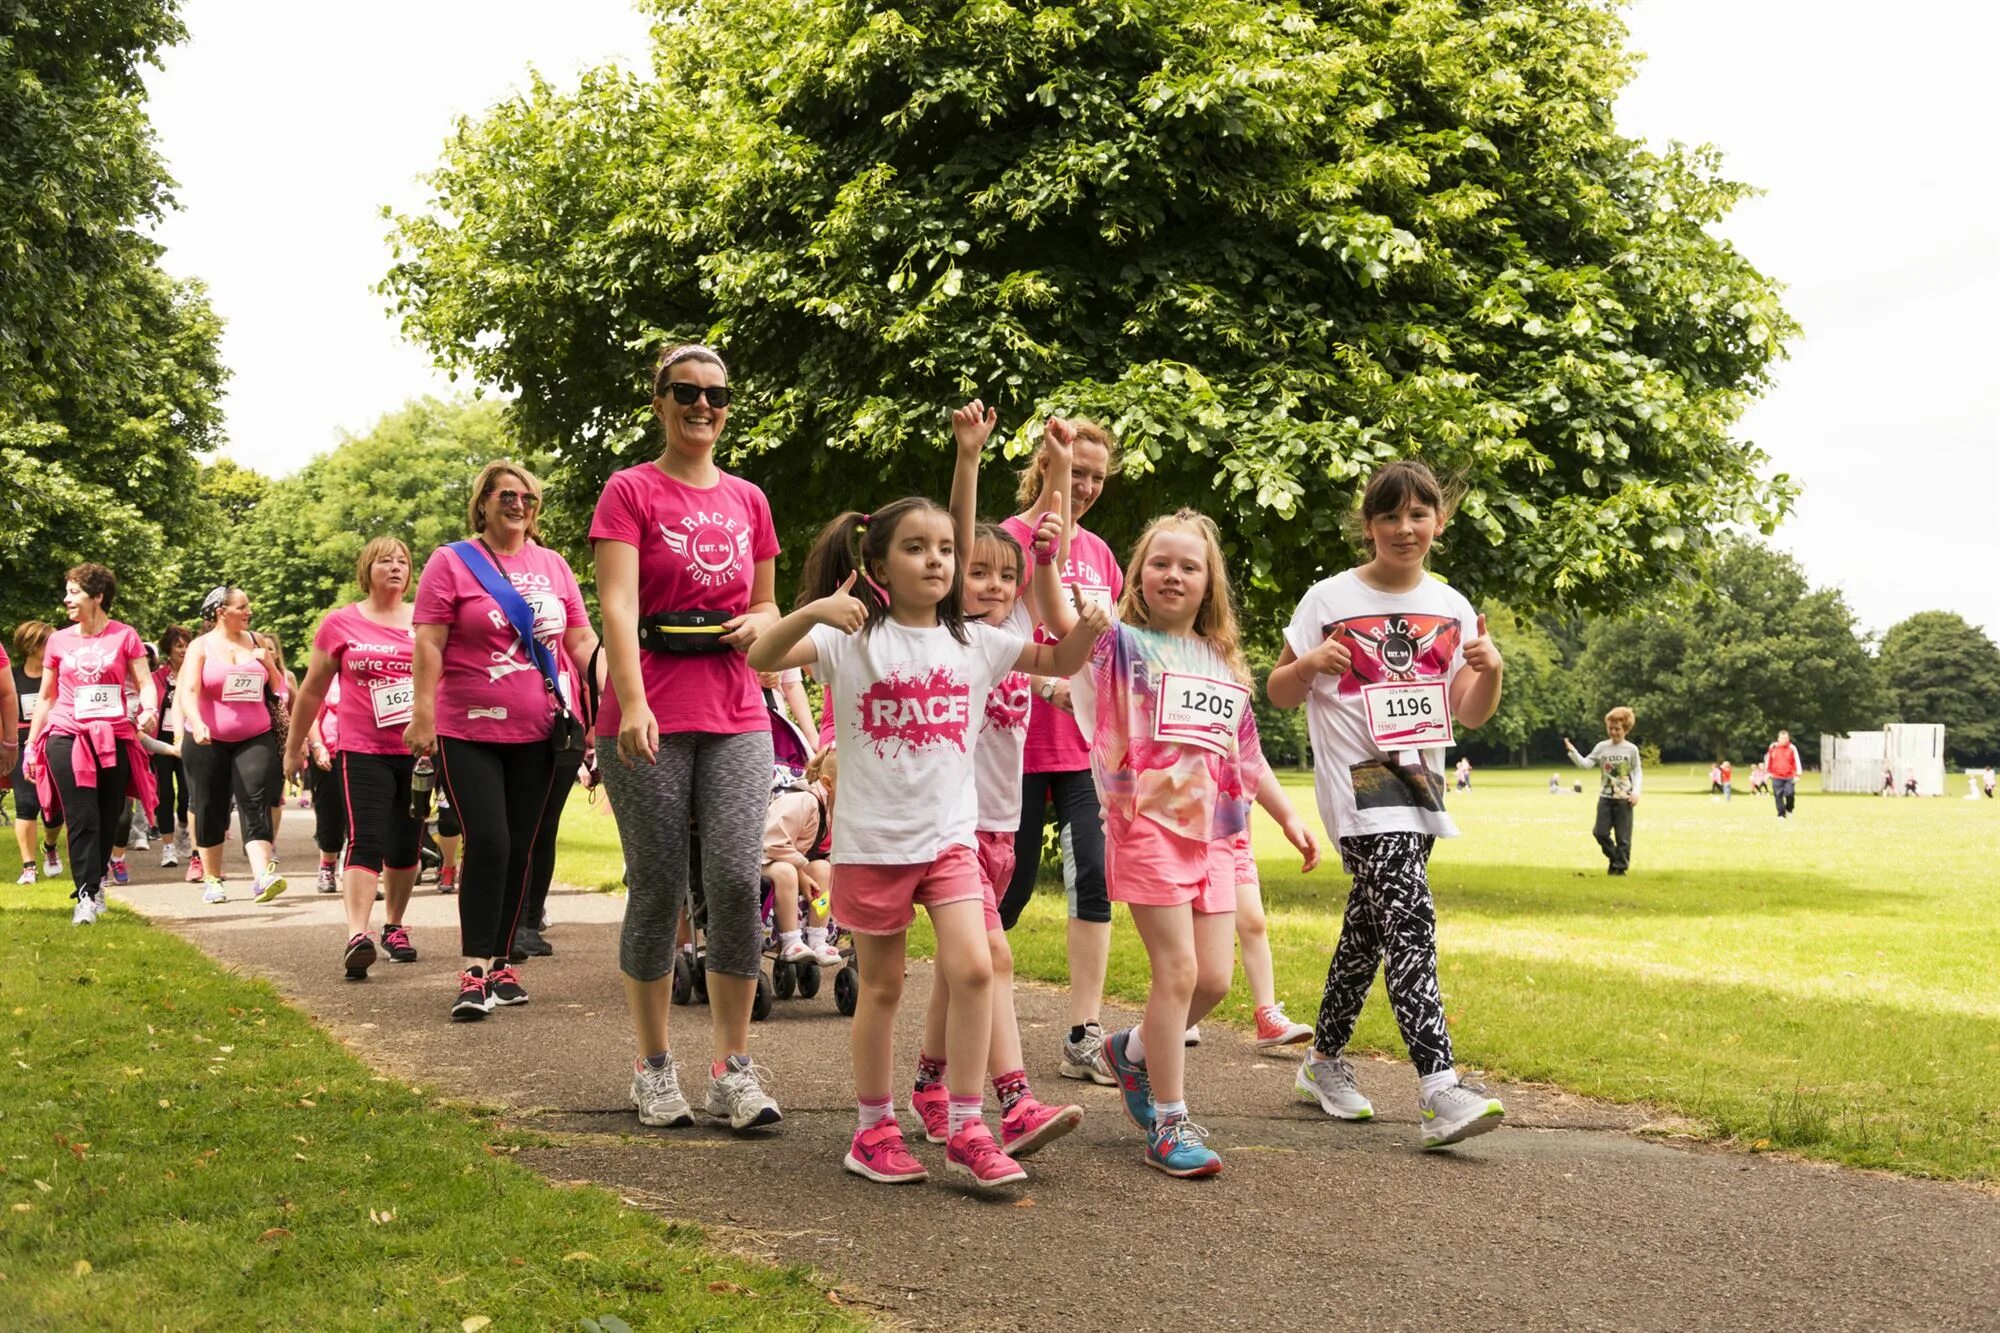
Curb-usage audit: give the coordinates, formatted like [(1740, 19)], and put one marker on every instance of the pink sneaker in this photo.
[(933, 1107), (1276, 1030), (1031, 1126), (972, 1152), (878, 1153), (193, 875)]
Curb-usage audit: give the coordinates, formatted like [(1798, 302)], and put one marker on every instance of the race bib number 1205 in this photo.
[(1199, 710)]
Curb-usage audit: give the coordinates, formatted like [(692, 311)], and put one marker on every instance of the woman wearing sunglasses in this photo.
[(685, 577), (501, 637)]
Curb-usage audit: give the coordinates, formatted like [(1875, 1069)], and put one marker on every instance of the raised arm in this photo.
[(1580, 760), (785, 645), (1087, 621), (971, 426)]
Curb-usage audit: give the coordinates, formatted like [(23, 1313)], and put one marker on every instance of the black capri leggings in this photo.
[(329, 806), (170, 811), (247, 769), (27, 804), (1075, 798), (509, 797), (96, 816), (377, 789)]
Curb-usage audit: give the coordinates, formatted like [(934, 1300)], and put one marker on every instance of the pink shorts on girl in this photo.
[(1149, 864), (883, 900), (996, 868), (1246, 861)]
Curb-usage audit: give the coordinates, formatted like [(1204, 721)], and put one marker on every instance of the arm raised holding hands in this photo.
[(1087, 621), (971, 427), (785, 644)]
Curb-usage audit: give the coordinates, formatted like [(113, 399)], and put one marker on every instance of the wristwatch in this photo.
[(1048, 690)]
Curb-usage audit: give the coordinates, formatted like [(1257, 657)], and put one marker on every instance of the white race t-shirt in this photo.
[(903, 703), (1394, 637), (999, 756)]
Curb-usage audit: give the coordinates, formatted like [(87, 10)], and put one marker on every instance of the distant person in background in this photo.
[(1758, 780), (1617, 762), (1555, 784), (1728, 781), (1781, 762), (1715, 782), (1464, 772), (1987, 782), (1888, 781)]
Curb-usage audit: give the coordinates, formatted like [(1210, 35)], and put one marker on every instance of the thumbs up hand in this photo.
[(841, 609), (1482, 654)]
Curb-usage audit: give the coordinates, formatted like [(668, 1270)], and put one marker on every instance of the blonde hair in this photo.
[(1621, 714), (1215, 618), (30, 637), (364, 564), (1029, 488), (483, 486), (824, 767)]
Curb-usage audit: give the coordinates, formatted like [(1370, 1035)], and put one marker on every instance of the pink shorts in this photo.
[(1153, 866), (1246, 861), (996, 871), (882, 900)]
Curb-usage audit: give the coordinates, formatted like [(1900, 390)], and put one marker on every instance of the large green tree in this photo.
[(1273, 243), (109, 369), (1939, 667), (1717, 672)]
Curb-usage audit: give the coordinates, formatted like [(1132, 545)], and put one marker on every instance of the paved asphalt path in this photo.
[(1566, 1218)]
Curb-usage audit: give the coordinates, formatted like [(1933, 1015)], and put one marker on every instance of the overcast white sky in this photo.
[(1869, 127)]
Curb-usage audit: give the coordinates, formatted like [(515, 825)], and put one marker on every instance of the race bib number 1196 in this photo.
[(1413, 715)]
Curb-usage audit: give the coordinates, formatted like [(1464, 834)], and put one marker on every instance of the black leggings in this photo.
[(1075, 797), (96, 816), (247, 769), (329, 807), (1389, 923), (509, 798), (377, 800), (27, 804), (170, 811)]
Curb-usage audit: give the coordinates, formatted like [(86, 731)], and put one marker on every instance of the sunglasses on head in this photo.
[(717, 394), (525, 499)]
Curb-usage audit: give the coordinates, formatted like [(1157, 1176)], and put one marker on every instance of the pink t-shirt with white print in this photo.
[(904, 705), (698, 551), (1055, 743), (490, 690), (91, 675), (374, 668)]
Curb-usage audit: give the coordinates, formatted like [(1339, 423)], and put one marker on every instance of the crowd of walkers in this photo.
[(979, 680)]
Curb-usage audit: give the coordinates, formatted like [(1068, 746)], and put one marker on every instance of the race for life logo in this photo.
[(1007, 702), (916, 712), (715, 546), (1394, 649), (94, 661)]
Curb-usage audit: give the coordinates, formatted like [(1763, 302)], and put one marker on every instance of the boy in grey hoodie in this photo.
[(1617, 762)]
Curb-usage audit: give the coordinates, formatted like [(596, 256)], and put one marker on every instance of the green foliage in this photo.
[(1938, 667), (1719, 672), (109, 370), (1540, 693), (1273, 244), (1281, 730)]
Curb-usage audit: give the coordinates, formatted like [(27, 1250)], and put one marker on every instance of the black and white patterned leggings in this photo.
[(1389, 914)]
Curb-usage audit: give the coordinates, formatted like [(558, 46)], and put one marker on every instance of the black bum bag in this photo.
[(684, 632)]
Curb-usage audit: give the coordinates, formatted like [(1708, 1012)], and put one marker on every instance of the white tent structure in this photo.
[(1856, 763)]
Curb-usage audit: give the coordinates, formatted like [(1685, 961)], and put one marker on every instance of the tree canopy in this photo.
[(1271, 244), (1939, 667), (109, 367)]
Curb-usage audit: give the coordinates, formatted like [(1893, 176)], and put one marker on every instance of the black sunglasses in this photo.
[(717, 394), (522, 498)]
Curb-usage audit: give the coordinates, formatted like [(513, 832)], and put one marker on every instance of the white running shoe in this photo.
[(51, 864), (1192, 1037), (270, 884), (1085, 1059), (170, 855), (213, 892), (1331, 1084), (87, 910), (1457, 1113), (657, 1094), (28, 875), (141, 840), (739, 1097)]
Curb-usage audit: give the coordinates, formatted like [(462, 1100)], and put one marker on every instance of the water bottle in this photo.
[(421, 782)]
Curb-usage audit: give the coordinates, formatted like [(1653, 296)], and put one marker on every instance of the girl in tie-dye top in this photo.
[(1175, 753)]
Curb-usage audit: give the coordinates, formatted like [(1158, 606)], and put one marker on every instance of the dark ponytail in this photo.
[(858, 541)]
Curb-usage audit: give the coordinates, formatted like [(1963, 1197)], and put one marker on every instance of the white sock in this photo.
[(1430, 1085), (1135, 1048), (873, 1113), (1169, 1111), (787, 938), (962, 1111), (816, 937)]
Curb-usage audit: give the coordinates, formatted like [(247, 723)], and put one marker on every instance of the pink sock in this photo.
[(874, 1111), (930, 1071), (1011, 1086), (963, 1111)]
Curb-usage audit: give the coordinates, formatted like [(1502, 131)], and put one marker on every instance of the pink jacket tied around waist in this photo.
[(97, 745)]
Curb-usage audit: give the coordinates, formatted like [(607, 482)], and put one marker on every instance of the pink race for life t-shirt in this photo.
[(90, 675), (374, 677), (1055, 744), (698, 551), (490, 689)]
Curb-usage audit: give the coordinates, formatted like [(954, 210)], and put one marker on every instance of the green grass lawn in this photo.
[(179, 1149), (1826, 985)]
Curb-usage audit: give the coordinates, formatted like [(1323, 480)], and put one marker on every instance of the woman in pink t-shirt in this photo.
[(82, 740), (683, 732), (497, 723), (366, 648), (1057, 761), (234, 753)]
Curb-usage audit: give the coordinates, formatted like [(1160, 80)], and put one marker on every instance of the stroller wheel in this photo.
[(808, 979), (683, 979), (760, 1008), (783, 980), (846, 990)]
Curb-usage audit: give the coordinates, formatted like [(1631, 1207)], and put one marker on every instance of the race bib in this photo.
[(1412, 715), (1096, 596), (243, 685), (98, 703), (28, 702), (392, 700), (1199, 710)]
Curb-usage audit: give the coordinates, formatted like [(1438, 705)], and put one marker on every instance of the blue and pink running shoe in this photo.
[(1133, 1084), (1175, 1146)]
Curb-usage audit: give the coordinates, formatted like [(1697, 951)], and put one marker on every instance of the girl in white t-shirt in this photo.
[(1385, 657), (904, 671)]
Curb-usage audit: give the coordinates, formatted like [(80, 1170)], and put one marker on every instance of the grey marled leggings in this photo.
[(724, 783)]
